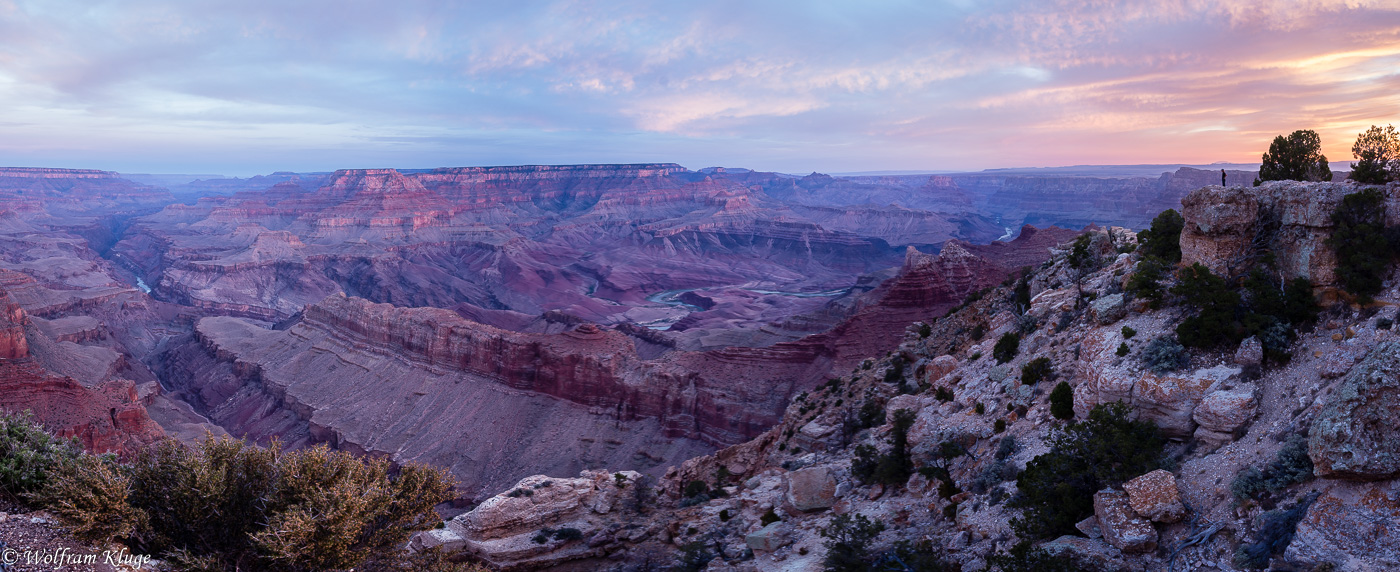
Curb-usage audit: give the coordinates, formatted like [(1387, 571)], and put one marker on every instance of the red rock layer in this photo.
[(104, 418)]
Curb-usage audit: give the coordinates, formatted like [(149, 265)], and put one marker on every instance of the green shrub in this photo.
[(1162, 241), (978, 330), (1128, 333), (1146, 281), (999, 425), (225, 505), (695, 488), (925, 330), (1057, 487), (1062, 401), (1007, 447), (848, 542), (1164, 354), (264, 508), (1007, 347), (892, 468), (1123, 349), (872, 414), (1080, 257), (89, 493), (1037, 370), (943, 394), (1215, 323), (1363, 255), (1290, 466), (28, 453)]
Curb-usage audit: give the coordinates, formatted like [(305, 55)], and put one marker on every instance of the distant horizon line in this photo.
[(1063, 169)]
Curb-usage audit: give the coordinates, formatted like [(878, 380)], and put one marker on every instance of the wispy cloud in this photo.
[(248, 86)]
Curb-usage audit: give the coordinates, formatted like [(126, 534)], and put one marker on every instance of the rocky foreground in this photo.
[(763, 504)]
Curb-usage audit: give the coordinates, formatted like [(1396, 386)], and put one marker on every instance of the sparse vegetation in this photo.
[(1007, 347), (1214, 323), (229, 505), (1128, 333), (1363, 254), (1037, 370), (1146, 281), (891, 468), (1162, 241), (28, 454), (1290, 466), (1123, 349), (1057, 488), (1164, 354), (1274, 534), (848, 542), (1062, 401)]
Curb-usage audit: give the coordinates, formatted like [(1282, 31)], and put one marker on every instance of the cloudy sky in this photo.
[(251, 86)]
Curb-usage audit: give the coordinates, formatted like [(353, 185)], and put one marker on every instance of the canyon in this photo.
[(498, 321)]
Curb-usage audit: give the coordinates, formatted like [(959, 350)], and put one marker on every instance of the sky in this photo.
[(251, 86)]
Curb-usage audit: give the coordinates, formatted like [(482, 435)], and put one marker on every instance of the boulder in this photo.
[(1351, 527), (1356, 434), (812, 488), (938, 368), (1155, 497), (1122, 527), (910, 402), (1226, 411), (1109, 309), (768, 538), (1250, 353)]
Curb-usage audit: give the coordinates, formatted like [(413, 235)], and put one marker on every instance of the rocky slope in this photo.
[(1225, 412)]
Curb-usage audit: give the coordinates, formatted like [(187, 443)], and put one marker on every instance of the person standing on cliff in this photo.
[(1222, 177)]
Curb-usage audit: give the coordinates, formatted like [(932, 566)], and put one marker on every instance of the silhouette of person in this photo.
[(1222, 177)]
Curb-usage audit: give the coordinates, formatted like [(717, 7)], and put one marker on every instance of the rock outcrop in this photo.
[(1350, 527), (1228, 228), (1356, 435)]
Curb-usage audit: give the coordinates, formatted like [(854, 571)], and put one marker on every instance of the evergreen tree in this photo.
[(1378, 156), (1297, 157)]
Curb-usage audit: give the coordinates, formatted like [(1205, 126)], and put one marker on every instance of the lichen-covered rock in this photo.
[(1122, 527), (1090, 527), (938, 368), (1226, 411), (768, 538), (1357, 433), (1109, 309), (1351, 527), (1155, 497), (812, 488)]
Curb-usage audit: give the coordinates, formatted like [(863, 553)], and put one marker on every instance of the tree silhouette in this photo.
[(1297, 157), (1377, 152)]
